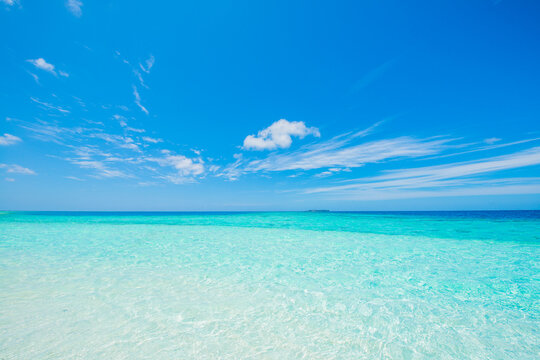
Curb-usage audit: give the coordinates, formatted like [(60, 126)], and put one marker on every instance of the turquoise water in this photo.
[(270, 285)]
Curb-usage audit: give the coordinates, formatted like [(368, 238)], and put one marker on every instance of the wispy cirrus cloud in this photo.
[(279, 135), (74, 7), (138, 100), (50, 132), (232, 171), (49, 106), (152, 140), (148, 64), (372, 75), (123, 123), (144, 66), (17, 169), (34, 76), (110, 155), (491, 140), (117, 140), (9, 2), (454, 179), (342, 151), (484, 148), (8, 139), (100, 168)]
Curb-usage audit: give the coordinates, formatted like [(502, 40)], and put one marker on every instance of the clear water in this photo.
[(270, 286)]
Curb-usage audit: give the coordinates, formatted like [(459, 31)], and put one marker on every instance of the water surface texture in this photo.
[(456, 285)]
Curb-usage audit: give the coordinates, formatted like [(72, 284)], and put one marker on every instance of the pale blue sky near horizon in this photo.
[(349, 105)]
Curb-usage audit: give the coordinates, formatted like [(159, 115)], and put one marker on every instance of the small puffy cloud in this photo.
[(279, 135), (10, 179), (17, 169), (121, 120), (187, 169), (8, 139), (40, 63), (74, 6), (185, 165)]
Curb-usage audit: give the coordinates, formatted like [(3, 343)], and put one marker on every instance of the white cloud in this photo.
[(45, 131), (118, 140), (149, 63), (138, 100), (121, 120), (151, 140), (187, 169), (40, 63), (278, 135), (9, 2), (74, 6), (455, 179), (49, 106), (484, 148), (123, 123), (332, 171), (8, 139), (324, 174), (140, 78), (101, 169), (233, 171), (185, 165), (34, 76), (17, 169), (10, 179), (492, 140), (340, 152), (520, 159), (135, 130)]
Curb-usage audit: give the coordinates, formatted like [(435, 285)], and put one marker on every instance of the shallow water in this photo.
[(270, 285)]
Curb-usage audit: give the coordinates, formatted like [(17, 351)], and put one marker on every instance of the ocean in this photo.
[(275, 285)]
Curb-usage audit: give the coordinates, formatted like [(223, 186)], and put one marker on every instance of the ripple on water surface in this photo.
[(274, 286)]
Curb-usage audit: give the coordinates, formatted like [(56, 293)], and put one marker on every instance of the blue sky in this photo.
[(360, 105)]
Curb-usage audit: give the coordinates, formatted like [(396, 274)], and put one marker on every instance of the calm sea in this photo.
[(291, 285)]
